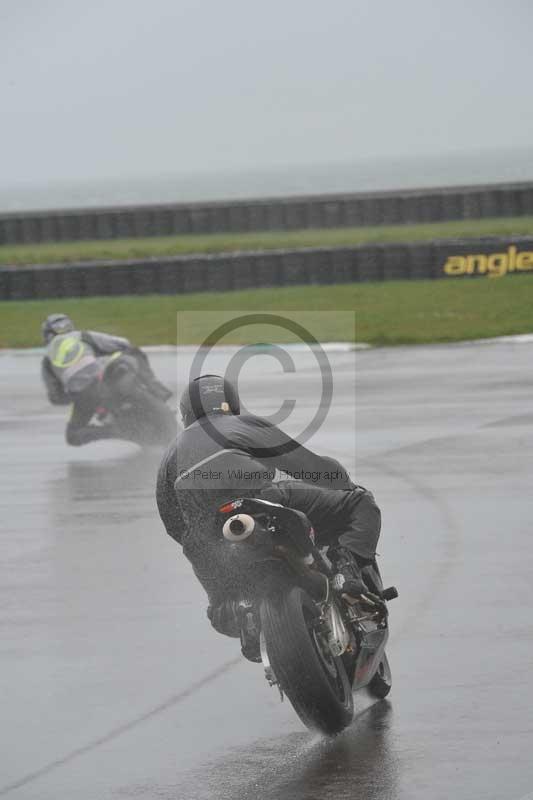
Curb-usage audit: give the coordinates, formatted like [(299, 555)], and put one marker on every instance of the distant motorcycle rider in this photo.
[(219, 456), (72, 369)]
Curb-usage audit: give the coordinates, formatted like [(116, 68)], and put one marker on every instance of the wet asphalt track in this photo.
[(114, 686)]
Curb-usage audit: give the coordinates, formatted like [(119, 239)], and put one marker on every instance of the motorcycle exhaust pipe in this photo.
[(238, 528)]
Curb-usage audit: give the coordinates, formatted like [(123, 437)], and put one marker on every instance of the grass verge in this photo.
[(391, 313), (55, 253)]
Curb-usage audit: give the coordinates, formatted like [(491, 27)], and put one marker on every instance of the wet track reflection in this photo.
[(300, 766), (113, 686)]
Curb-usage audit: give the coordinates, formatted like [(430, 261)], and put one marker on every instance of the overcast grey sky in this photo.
[(128, 88)]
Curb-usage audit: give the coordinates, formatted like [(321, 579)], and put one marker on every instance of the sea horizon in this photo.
[(383, 174)]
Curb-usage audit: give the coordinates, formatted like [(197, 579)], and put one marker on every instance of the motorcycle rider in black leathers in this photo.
[(72, 369), (218, 457)]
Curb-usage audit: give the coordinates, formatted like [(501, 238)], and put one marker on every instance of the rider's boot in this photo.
[(348, 580), (91, 433)]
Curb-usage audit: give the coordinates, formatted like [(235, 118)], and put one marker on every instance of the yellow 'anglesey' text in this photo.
[(494, 265)]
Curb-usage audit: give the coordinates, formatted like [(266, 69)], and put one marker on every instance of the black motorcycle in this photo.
[(315, 646), (135, 403)]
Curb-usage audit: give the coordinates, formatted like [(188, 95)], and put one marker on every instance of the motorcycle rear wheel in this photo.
[(313, 679), (148, 421)]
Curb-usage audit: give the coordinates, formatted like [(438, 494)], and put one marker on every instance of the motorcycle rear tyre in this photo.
[(150, 421), (315, 682)]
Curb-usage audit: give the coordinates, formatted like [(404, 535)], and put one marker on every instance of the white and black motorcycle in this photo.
[(134, 403), (315, 647)]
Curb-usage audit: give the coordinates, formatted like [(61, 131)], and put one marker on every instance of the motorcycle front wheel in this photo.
[(313, 679)]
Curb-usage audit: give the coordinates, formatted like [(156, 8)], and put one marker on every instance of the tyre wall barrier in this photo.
[(449, 259), (290, 213)]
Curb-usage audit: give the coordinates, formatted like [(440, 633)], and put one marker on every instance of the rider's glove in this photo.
[(224, 618)]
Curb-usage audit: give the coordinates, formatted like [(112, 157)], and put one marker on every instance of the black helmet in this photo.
[(206, 395), (54, 325)]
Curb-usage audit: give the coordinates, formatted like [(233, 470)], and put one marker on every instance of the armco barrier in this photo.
[(466, 258), (290, 213)]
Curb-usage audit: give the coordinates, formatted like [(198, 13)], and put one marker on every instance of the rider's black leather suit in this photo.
[(222, 457)]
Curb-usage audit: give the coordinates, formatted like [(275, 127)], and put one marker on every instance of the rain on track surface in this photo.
[(113, 684)]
